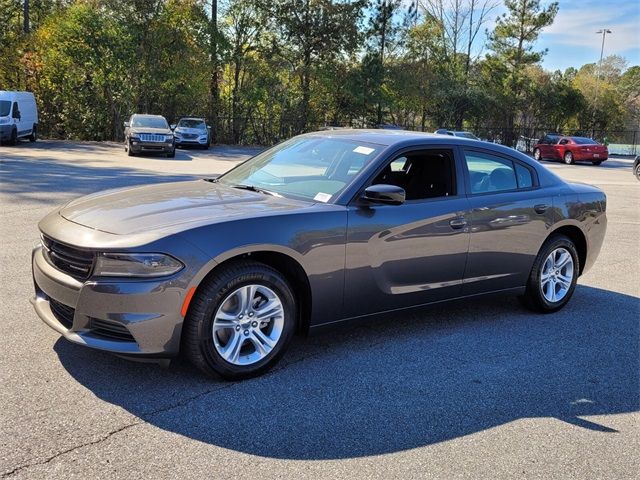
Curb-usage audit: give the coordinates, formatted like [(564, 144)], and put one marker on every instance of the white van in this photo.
[(18, 117)]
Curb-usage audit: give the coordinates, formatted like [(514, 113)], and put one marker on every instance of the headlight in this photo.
[(168, 138), (136, 265), (5, 120)]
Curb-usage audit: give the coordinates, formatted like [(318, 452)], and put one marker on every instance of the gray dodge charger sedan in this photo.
[(323, 228)]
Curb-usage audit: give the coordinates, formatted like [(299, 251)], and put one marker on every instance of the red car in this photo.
[(570, 149)]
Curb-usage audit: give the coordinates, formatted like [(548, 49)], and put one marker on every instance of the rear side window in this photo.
[(523, 176), (489, 173), (584, 141)]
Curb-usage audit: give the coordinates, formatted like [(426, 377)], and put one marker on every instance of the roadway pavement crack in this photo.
[(19, 468), (143, 418)]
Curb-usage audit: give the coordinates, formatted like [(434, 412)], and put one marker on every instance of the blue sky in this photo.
[(572, 40)]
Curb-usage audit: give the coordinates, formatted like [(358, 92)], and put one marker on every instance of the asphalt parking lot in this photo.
[(482, 390)]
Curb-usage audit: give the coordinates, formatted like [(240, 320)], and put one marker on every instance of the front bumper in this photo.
[(134, 318), (181, 141), (138, 146)]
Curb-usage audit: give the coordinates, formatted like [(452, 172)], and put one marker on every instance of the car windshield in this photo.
[(584, 141), (191, 123), (5, 108), (310, 168), (149, 122)]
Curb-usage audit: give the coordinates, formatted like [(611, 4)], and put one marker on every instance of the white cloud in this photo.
[(576, 25)]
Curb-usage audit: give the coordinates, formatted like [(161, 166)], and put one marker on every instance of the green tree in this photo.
[(512, 42), (308, 33)]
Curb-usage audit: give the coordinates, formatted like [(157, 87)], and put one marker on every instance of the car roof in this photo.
[(191, 118), (399, 138), (146, 115)]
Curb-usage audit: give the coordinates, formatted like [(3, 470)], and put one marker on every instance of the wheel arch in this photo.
[(579, 239), (284, 263)]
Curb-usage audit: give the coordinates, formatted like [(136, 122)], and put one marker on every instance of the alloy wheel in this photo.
[(248, 324), (568, 158), (557, 275)]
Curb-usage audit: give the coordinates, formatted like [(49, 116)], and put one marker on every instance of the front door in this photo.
[(414, 253)]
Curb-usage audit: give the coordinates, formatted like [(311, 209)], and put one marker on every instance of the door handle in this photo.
[(458, 223), (541, 208)]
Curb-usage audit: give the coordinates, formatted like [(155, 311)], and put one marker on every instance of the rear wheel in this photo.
[(240, 321), (34, 134), (553, 276), (637, 171), (597, 162), (537, 155), (568, 158)]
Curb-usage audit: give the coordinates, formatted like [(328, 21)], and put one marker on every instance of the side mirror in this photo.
[(386, 194), (17, 115), (172, 126), (126, 124)]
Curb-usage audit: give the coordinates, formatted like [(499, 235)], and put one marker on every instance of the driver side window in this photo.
[(422, 174)]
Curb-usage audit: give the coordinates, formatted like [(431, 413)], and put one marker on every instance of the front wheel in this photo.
[(240, 321), (13, 139), (172, 153), (568, 158), (636, 171), (553, 276), (34, 134)]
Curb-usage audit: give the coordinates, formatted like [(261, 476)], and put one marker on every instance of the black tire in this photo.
[(13, 139), (172, 154), (636, 171), (568, 158), (597, 162), (197, 333), (533, 297), (537, 155), (129, 150), (34, 134), (205, 147)]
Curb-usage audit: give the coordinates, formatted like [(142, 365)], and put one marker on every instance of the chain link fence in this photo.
[(260, 130)]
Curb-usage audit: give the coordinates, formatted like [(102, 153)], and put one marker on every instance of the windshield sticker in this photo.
[(322, 197), (363, 150)]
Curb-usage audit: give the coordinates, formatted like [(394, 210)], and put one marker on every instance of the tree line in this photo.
[(263, 70)]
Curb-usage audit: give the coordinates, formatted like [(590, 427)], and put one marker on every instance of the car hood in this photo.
[(175, 206), (199, 131), (161, 131)]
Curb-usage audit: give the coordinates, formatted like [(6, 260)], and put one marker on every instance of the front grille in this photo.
[(150, 137), (63, 313), (110, 330), (73, 261), (190, 136)]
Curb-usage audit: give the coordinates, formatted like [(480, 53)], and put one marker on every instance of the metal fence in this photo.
[(260, 130), (619, 142)]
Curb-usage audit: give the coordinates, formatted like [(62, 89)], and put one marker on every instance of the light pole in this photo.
[(602, 32)]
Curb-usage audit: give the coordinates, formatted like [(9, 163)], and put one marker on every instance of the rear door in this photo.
[(510, 219)]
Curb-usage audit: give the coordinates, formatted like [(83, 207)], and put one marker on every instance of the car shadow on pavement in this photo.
[(47, 181), (400, 383)]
